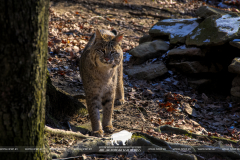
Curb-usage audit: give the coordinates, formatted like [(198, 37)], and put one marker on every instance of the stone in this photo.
[(234, 67), (147, 72), (236, 81), (199, 83), (235, 43), (175, 29), (145, 38), (205, 11), (189, 110), (214, 31), (183, 53), (235, 91), (235, 99), (149, 50), (197, 67)]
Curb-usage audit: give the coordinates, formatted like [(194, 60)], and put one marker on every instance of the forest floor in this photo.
[(149, 104)]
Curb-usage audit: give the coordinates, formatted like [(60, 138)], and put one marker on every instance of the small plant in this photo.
[(189, 135), (82, 111)]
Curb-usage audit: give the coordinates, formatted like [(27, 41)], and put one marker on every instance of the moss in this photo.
[(189, 135), (82, 111), (137, 136), (223, 139)]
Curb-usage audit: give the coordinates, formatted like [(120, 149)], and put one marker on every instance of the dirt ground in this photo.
[(71, 24)]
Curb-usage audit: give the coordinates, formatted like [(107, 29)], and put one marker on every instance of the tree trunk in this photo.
[(23, 55)]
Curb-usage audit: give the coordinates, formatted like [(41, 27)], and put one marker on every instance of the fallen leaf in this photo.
[(50, 43), (171, 109), (62, 72), (109, 19), (64, 42), (159, 121), (151, 120)]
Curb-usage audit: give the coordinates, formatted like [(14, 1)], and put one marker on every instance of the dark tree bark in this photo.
[(23, 55)]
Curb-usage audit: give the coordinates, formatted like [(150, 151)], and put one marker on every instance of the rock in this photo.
[(215, 34), (75, 49), (137, 61), (145, 38), (236, 81), (214, 30), (188, 52), (148, 72), (235, 91), (189, 110), (235, 99), (176, 29), (149, 50), (234, 67), (199, 83), (205, 11), (235, 43), (197, 67)]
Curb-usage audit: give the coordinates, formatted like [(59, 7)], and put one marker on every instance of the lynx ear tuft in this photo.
[(118, 38), (98, 34)]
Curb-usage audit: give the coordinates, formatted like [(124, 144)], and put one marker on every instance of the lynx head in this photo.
[(106, 48)]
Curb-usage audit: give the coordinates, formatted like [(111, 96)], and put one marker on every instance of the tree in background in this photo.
[(23, 55)]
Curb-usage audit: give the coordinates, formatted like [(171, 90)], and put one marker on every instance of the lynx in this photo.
[(101, 70)]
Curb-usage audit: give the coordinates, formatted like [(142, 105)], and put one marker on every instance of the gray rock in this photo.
[(149, 50), (214, 30), (236, 81), (235, 43), (197, 67), (189, 110), (235, 99), (176, 29), (235, 91), (205, 11), (148, 72), (234, 67), (188, 52), (145, 38), (199, 83)]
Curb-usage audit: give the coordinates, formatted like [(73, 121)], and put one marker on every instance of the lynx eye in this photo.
[(112, 52), (103, 50)]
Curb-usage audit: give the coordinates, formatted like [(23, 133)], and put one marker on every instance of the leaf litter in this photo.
[(149, 105)]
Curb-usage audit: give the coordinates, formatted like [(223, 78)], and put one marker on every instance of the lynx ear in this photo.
[(98, 35), (114, 31), (118, 38)]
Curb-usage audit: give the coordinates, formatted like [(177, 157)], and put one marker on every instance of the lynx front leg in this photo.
[(108, 104), (93, 105), (120, 88)]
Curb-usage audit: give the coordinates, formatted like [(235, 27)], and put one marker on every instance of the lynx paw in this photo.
[(119, 102), (109, 129), (98, 133)]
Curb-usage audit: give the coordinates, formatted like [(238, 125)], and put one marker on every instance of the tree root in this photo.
[(149, 14), (65, 133), (170, 129)]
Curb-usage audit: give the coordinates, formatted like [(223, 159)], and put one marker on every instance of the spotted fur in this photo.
[(101, 71)]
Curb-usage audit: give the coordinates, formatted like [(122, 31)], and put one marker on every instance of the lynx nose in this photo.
[(107, 59)]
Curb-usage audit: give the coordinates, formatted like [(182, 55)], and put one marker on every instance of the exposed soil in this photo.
[(149, 104)]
